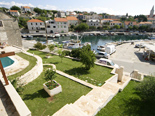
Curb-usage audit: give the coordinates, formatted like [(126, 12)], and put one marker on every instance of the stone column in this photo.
[(120, 73)]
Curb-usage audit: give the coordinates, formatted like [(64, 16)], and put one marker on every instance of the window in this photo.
[(36, 23), (54, 27), (1, 24), (40, 23), (108, 64), (48, 26), (61, 26), (58, 26), (32, 28), (64, 26), (64, 22), (31, 23)]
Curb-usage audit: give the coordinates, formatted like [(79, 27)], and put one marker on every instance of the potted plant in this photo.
[(51, 87)]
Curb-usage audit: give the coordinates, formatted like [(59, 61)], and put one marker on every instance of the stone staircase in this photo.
[(95, 100)]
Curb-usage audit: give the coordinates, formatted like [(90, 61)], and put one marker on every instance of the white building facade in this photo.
[(58, 25), (94, 22), (36, 26), (14, 13)]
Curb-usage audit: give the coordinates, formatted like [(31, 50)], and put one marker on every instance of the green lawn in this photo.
[(35, 96), (128, 103), (95, 75), (32, 63)]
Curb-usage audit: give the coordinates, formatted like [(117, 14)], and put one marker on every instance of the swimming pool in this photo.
[(6, 61)]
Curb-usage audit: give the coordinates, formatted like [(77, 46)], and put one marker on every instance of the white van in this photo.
[(107, 62)]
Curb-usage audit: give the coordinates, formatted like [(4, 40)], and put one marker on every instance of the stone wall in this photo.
[(9, 31)]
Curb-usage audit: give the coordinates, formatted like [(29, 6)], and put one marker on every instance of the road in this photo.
[(132, 58)]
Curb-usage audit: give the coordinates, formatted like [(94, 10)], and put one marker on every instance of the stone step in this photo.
[(100, 96), (87, 105), (111, 87), (77, 110), (65, 111)]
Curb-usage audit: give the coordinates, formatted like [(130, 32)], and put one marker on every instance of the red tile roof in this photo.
[(35, 20), (71, 18), (145, 23), (107, 19), (60, 19), (116, 22), (26, 6), (153, 19), (13, 10)]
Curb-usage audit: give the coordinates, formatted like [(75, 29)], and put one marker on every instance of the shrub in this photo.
[(75, 53), (39, 46), (146, 89), (67, 53), (50, 74)]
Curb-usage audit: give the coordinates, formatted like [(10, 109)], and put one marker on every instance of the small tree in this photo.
[(50, 74), (15, 8), (87, 57), (61, 54), (39, 46), (51, 47)]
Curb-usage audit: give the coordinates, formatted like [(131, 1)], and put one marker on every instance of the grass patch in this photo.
[(36, 97), (97, 75), (128, 103), (32, 62)]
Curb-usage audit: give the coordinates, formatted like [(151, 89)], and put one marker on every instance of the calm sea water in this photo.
[(95, 40)]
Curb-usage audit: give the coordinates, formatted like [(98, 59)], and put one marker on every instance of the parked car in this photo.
[(139, 45), (102, 55), (107, 62)]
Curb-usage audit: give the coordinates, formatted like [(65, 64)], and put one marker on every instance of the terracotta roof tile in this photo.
[(26, 6), (71, 18), (145, 23), (153, 19), (60, 19), (13, 10), (107, 19), (35, 20), (116, 22)]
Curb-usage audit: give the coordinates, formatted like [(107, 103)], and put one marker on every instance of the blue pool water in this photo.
[(6, 61)]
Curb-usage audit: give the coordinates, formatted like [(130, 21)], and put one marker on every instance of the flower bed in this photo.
[(52, 88)]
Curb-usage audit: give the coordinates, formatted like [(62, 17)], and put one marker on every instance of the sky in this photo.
[(113, 7)]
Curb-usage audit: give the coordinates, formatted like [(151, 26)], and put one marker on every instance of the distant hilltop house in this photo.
[(9, 30), (25, 9), (72, 20), (36, 26), (94, 22), (151, 20), (130, 23), (58, 25), (113, 23), (61, 14), (14, 13)]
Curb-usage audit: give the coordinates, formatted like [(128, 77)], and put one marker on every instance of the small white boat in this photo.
[(29, 36), (152, 37), (57, 35), (101, 48)]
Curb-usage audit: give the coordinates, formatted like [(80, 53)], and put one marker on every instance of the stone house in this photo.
[(72, 20), (25, 9), (113, 23), (58, 25), (36, 26), (94, 22), (14, 13), (106, 21), (129, 23), (151, 20), (61, 14), (145, 23)]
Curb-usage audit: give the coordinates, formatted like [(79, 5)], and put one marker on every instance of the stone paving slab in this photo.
[(87, 105), (101, 96)]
